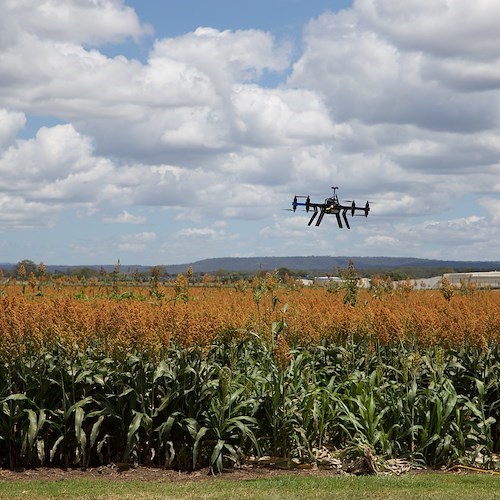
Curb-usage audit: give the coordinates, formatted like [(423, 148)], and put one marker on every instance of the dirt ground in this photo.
[(266, 467), (162, 475), (153, 474)]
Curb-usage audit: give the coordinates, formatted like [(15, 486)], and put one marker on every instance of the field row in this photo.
[(218, 405), (198, 316), (187, 377)]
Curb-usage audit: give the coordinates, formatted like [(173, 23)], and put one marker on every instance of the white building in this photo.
[(336, 280), (327, 280), (488, 279)]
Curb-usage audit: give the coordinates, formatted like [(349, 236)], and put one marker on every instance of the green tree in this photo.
[(29, 267), (85, 272)]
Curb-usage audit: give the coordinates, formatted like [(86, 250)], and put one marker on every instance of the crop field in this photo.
[(182, 376)]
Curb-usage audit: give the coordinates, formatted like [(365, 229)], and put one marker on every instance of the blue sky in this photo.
[(281, 17), (168, 132)]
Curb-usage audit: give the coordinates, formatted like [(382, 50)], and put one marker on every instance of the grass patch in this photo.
[(414, 486)]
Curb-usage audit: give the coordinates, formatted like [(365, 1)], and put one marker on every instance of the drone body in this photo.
[(330, 206)]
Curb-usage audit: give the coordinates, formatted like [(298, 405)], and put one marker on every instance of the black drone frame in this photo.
[(330, 206)]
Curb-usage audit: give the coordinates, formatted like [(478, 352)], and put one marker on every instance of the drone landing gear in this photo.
[(313, 217), (320, 218), (344, 216), (339, 222)]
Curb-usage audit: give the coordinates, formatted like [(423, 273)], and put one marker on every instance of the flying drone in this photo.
[(330, 206)]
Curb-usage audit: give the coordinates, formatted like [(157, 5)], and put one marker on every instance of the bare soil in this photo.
[(249, 471), (153, 474)]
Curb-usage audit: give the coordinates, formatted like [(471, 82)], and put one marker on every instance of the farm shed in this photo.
[(329, 280), (489, 279)]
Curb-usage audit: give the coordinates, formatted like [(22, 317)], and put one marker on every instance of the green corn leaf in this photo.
[(196, 447), (166, 401), (432, 439), (165, 428), (14, 397), (160, 370), (169, 453), (147, 422), (438, 415), (100, 445), (474, 409), (42, 419), (95, 430), (134, 426), (79, 415), (412, 393), (32, 428), (78, 404), (40, 449), (239, 422), (54, 448), (487, 423), (236, 394), (451, 403), (126, 392), (83, 375), (131, 433), (216, 461), (192, 426), (480, 387)]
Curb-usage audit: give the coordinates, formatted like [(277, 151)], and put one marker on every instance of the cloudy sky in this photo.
[(168, 132)]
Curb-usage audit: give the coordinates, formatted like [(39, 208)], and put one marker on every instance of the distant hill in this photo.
[(323, 264), (312, 265)]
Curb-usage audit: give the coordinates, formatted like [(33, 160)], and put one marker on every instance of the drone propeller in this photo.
[(365, 209)]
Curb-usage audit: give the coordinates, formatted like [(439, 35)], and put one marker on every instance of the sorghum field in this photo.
[(192, 376)]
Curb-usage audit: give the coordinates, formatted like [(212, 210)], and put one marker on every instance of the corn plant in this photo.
[(228, 373), (229, 422)]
